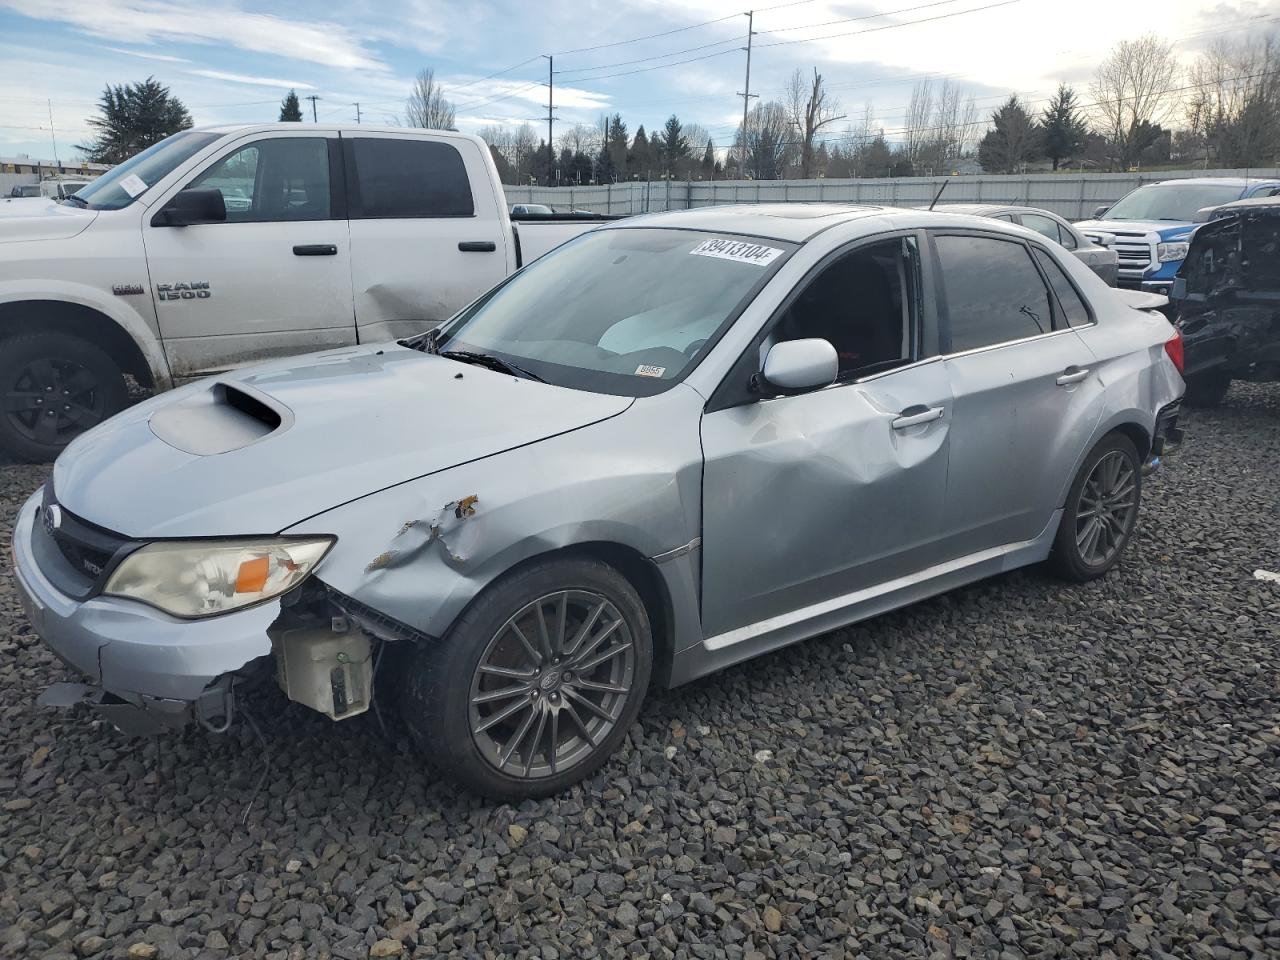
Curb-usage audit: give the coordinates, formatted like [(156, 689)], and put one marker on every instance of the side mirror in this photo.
[(1102, 239), (1203, 215), (1179, 289), (192, 206), (793, 366), (1099, 211)]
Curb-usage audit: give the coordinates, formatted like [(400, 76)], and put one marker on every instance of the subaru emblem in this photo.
[(52, 518)]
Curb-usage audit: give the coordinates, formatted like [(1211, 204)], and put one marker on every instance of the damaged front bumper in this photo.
[(143, 666)]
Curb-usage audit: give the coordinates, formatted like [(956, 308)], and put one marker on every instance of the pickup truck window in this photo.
[(271, 180), (409, 179), (993, 292), (646, 306), (117, 188)]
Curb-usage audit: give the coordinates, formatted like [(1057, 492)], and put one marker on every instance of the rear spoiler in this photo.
[(1141, 300)]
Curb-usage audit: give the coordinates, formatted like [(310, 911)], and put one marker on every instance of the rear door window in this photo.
[(401, 178), (992, 291), (1074, 312)]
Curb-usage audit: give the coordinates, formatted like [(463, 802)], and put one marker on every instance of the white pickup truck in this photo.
[(226, 245)]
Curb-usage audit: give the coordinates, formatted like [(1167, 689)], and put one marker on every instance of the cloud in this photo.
[(147, 56), (150, 21), (252, 81)]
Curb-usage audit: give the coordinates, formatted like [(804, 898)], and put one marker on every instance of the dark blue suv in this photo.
[(1153, 224)]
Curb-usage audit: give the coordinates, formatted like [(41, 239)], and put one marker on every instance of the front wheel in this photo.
[(53, 387), (1100, 512), (537, 682)]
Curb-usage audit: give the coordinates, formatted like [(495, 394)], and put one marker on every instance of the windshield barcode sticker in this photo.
[(649, 370), (133, 185), (739, 250)]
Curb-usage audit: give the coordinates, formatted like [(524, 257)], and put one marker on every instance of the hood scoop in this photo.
[(223, 418)]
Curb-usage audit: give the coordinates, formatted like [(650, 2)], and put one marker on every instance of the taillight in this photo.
[(1173, 347)]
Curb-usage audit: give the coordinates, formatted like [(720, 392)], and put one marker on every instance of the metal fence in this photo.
[(1071, 195)]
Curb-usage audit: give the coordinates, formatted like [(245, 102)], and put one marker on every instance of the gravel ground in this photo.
[(1017, 769)]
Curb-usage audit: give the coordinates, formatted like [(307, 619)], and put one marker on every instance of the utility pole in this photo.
[(313, 98), (551, 93), (53, 135), (746, 94), (357, 106)]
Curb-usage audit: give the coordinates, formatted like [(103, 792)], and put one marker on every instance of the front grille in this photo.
[(1134, 252), (86, 552)]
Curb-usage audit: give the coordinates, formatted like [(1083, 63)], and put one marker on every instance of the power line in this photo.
[(652, 36), (459, 86)]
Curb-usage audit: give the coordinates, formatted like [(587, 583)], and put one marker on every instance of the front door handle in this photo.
[(315, 250), (915, 415), (1072, 374), (477, 246)]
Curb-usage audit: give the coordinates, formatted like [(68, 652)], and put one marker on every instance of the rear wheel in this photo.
[(1100, 512), (1207, 389), (537, 682), (53, 387)]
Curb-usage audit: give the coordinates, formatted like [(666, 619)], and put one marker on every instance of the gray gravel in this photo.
[(1018, 769)]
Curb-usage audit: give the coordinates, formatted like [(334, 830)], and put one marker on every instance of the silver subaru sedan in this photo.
[(674, 443)]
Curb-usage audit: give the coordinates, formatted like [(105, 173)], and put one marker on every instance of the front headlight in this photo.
[(1167, 252), (197, 578)]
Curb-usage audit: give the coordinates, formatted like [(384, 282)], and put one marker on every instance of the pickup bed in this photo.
[(225, 245)]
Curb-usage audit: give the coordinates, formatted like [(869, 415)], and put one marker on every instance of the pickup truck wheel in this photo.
[(53, 387), (1100, 512), (1207, 389), (537, 682)]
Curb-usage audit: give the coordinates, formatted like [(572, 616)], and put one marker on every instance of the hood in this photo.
[(260, 450), (1166, 229), (39, 218)]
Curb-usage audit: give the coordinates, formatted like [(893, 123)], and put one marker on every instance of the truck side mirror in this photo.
[(192, 206), (1099, 211)]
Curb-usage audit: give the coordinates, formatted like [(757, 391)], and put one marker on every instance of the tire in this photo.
[(1207, 389), (1072, 557), (58, 374), (501, 746)]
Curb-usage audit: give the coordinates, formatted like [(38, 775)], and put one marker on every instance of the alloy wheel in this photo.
[(1104, 514), (552, 683), (53, 400)]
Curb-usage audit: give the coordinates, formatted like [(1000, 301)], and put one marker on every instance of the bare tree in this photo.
[(764, 148), (1235, 108), (426, 106), (809, 108), (918, 119), (940, 125), (1132, 92)]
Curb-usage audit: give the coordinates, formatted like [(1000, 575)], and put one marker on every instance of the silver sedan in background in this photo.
[(674, 443), (1095, 250)]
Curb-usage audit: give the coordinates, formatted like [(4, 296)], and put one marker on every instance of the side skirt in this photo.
[(725, 649)]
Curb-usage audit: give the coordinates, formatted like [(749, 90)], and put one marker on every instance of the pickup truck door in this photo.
[(429, 229), (275, 278)]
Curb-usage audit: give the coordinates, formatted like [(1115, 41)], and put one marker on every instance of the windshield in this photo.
[(1179, 202), (121, 185), (623, 311)]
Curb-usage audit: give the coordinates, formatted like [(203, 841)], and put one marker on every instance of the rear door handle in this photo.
[(477, 246), (1072, 375), (915, 415), (315, 250)]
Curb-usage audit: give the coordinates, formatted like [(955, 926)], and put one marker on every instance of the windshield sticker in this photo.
[(649, 370), (738, 250), (133, 185)]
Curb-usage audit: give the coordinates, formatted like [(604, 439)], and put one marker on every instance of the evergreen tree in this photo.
[(132, 118), (290, 109), (640, 156), (671, 146), (709, 160), (616, 144), (1064, 128), (1015, 139)]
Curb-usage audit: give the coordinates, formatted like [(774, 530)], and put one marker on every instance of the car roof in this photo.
[(242, 128), (988, 209)]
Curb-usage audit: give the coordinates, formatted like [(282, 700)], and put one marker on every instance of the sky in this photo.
[(233, 60)]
